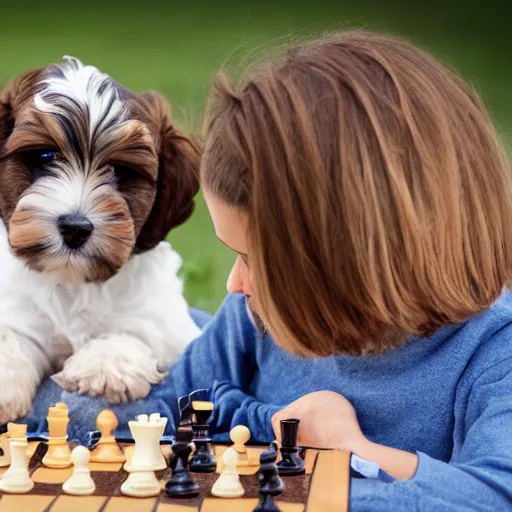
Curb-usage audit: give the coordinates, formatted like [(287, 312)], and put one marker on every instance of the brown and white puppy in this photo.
[(92, 178)]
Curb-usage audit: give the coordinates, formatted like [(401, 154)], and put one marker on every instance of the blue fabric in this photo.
[(448, 398), (201, 318)]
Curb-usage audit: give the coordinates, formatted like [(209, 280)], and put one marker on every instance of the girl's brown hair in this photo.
[(377, 192)]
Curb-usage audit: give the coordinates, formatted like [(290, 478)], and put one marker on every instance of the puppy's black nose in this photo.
[(75, 230)]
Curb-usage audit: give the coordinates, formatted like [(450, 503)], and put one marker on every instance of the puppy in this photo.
[(92, 178)]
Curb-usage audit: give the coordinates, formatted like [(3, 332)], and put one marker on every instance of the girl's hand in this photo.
[(327, 420)]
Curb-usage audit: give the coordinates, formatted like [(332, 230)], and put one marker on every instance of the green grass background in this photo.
[(175, 47)]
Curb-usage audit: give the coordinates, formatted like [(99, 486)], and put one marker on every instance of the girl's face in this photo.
[(231, 229)]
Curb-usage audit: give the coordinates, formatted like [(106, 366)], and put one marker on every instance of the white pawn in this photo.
[(240, 435), (228, 484), (80, 482), (17, 479)]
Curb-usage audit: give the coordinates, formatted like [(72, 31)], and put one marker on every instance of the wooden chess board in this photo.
[(324, 487)]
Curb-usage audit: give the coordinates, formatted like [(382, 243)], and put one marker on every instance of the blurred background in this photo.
[(176, 46)]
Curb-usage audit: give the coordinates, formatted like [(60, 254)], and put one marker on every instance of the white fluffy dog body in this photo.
[(92, 177)]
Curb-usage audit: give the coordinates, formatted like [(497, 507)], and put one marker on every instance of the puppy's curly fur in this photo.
[(92, 178)]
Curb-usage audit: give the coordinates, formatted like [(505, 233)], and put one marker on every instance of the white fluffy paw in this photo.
[(17, 393), (18, 378), (118, 367)]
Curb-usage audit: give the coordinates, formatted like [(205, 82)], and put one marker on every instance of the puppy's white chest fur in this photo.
[(143, 300)]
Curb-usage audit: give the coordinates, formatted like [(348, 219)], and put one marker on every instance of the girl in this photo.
[(367, 196)]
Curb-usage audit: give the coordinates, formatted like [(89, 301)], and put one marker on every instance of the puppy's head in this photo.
[(89, 172)]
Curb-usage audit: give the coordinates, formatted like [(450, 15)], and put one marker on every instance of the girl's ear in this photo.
[(178, 175)]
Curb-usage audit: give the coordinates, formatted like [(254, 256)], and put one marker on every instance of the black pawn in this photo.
[(203, 460), (270, 483), (181, 484), (292, 463)]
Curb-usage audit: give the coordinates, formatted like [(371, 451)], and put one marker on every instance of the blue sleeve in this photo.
[(478, 476), (235, 407), (223, 358)]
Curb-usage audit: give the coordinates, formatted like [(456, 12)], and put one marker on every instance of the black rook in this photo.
[(292, 463)]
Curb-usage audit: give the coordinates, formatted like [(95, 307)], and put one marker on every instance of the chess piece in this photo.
[(270, 483), (107, 449), (228, 484), (240, 435), (141, 484), (14, 430), (147, 455), (16, 479), (273, 446), (80, 482), (17, 431), (5, 452), (92, 439), (181, 483), (58, 454), (185, 405), (203, 460), (291, 463)]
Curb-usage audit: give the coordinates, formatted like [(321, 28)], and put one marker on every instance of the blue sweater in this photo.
[(448, 398)]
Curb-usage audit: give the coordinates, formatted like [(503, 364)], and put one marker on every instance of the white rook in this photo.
[(147, 454)]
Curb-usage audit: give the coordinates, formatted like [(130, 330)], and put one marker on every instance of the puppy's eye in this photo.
[(37, 161), (124, 173), (47, 156), (41, 158)]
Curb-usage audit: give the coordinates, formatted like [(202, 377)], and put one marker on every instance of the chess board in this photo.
[(324, 487)]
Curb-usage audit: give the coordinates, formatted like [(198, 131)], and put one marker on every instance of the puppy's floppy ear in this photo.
[(13, 96), (6, 117), (178, 173)]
